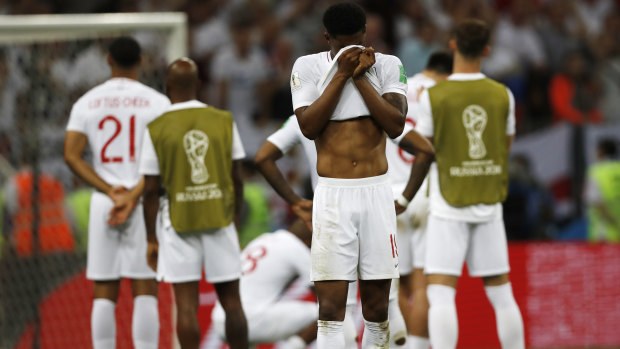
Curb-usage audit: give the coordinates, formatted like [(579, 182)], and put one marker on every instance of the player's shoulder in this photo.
[(311, 59), (94, 92), (385, 59)]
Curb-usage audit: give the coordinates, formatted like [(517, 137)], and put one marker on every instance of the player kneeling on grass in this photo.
[(270, 264)]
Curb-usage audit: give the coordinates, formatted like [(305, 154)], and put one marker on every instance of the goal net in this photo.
[(46, 63)]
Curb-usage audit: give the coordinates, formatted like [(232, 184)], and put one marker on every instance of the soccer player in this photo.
[(412, 221), (601, 193), (270, 264), (111, 119), (194, 152), (470, 119), (346, 100)]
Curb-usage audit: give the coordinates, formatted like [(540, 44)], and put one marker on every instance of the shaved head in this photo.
[(182, 80)]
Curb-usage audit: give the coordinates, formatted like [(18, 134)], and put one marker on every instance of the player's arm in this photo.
[(389, 110), (238, 187), (150, 202), (424, 153), (313, 118), (265, 161), (75, 143), (124, 203)]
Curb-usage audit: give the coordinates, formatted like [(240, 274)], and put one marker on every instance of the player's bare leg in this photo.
[(332, 297), (507, 314), (188, 329), (375, 297), (418, 313), (405, 290), (145, 322), (103, 321), (236, 324)]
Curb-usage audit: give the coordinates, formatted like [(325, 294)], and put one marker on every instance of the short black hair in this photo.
[(608, 147), (345, 18), (125, 51), (440, 62), (472, 36)]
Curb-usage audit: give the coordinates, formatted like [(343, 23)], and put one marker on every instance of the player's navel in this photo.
[(354, 163)]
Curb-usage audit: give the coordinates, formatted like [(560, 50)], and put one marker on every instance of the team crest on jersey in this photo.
[(295, 81)]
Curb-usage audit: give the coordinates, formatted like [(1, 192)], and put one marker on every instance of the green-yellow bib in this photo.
[(607, 177), (469, 119), (194, 149)]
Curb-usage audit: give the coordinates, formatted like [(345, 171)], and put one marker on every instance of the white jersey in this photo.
[(288, 136), (114, 116), (309, 73), (399, 161), (439, 207), (270, 263)]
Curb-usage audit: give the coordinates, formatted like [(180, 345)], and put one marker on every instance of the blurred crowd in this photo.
[(561, 58)]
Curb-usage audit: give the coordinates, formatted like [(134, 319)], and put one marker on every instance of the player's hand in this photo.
[(152, 254), (399, 209), (348, 61), (124, 205), (303, 209), (366, 60)]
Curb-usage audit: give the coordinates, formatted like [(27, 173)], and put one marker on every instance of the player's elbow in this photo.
[(309, 132), (395, 130)]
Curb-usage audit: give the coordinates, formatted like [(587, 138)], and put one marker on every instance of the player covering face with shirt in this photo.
[(347, 100)]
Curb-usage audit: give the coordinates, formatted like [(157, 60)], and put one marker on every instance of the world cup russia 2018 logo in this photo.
[(196, 144), (475, 120)]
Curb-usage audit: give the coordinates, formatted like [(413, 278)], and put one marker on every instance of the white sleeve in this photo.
[(303, 84), (287, 136), (393, 77), (425, 116), (77, 120), (510, 123), (238, 152), (149, 164), (408, 127)]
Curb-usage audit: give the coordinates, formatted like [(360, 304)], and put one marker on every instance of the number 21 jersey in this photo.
[(113, 116)]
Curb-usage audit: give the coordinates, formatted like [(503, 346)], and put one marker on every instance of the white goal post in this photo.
[(28, 29)]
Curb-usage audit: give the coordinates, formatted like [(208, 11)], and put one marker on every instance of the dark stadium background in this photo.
[(566, 284)]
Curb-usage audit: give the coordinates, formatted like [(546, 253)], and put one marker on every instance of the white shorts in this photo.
[(279, 321), (115, 252), (411, 226), (451, 242), (354, 230), (182, 257)]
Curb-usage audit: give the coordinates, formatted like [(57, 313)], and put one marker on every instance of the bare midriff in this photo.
[(352, 148)]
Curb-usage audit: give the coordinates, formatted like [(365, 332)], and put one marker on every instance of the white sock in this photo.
[(442, 322), (145, 322), (398, 329), (416, 342), (376, 335), (293, 342), (507, 315), (349, 329), (330, 335), (103, 324)]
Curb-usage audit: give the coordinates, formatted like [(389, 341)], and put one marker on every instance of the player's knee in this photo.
[(331, 311), (375, 310)]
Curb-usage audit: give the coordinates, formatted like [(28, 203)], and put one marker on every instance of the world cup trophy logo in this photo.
[(196, 144), (475, 120)]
